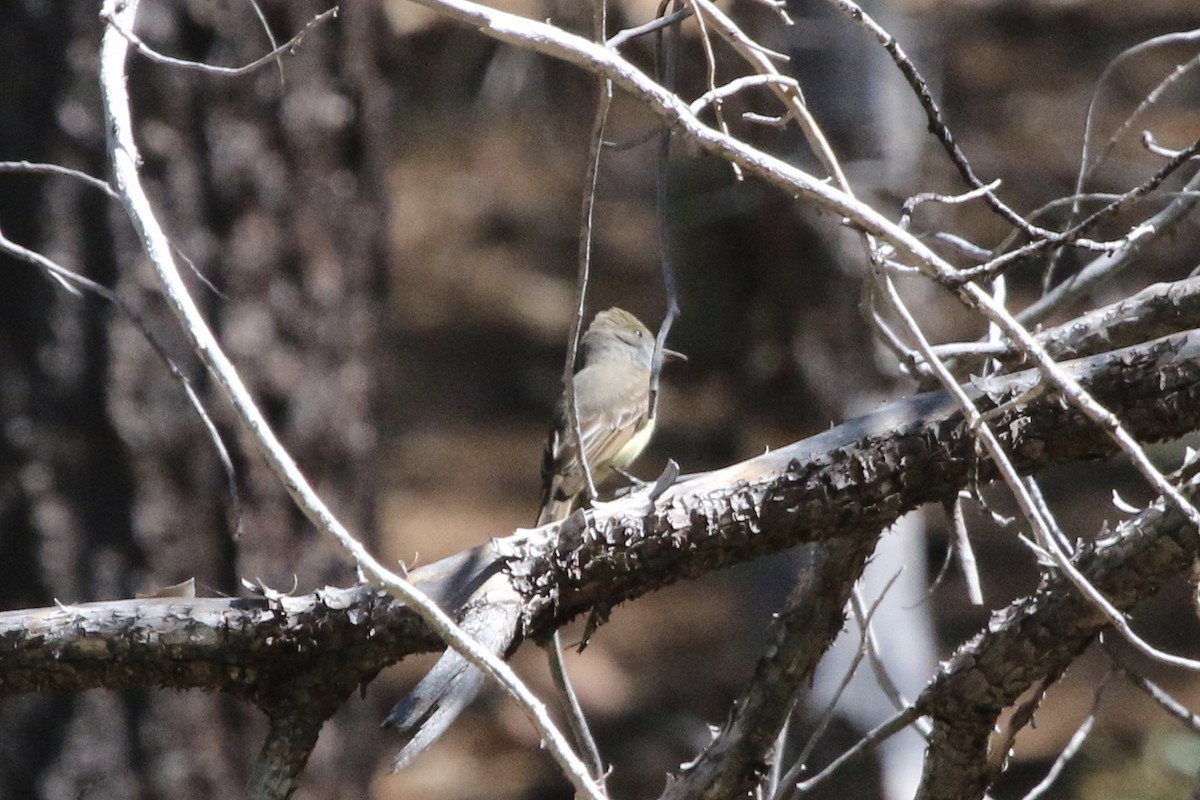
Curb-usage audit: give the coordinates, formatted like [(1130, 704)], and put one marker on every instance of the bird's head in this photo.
[(615, 333)]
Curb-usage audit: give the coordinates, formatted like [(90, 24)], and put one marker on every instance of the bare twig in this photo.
[(114, 20), (882, 677), (586, 217), (890, 727), (910, 205), (656, 24), (1087, 166), (266, 26), (574, 711), (783, 786), (710, 61), (937, 123), (29, 166), (1073, 746), (1111, 264), (1156, 693), (666, 50), (558, 669), (70, 281), (1151, 144), (775, 774), (717, 93), (964, 550)]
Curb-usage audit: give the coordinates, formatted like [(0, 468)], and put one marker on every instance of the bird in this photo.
[(613, 404), (612, 401)]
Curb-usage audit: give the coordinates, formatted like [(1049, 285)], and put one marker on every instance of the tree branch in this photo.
[(733, 765), (842, 486), (1036, 638)]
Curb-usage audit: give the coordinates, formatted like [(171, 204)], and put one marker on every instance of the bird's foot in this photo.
[(644, 495)]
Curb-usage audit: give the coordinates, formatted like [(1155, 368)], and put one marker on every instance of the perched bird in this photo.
[(612, 397)]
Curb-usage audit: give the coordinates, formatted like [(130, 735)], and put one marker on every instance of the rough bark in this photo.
[(843, 486)]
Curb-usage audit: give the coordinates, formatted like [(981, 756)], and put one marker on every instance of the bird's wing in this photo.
[(609, 434), (608, 425)]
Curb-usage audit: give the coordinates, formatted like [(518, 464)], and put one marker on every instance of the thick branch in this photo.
[(1155, 311), (733, 765), (850, 482), (1034, 640), (844, 485), (250, 647), (1158, 310), (290, 740)]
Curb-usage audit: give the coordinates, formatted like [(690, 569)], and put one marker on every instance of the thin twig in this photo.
[(784, 786), (1109, 265), (1151, 144), (146, 50), (710, 62), (885, 730), (574, 711), (667, 44), (578, 722), (736, 85), (775, 774), (910, 205), (266, 26), (70, 280), (30, 166), (936, 121), (966, 553), (1073, 745), (882, 677), (1086, 165), (656, 24), (586, 229), (1156, 693)]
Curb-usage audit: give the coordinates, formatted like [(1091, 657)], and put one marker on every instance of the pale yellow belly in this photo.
[(634, 447)]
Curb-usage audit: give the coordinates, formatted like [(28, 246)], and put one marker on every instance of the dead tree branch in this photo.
[(838, 489), (1034, 640)]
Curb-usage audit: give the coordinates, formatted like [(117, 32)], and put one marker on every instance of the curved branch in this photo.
[(733, 764), (1035, 639), (844, 485)]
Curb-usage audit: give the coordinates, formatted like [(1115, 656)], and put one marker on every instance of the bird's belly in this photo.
[(634, 447)]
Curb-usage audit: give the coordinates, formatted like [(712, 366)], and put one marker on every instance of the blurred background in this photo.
[(390, 231)]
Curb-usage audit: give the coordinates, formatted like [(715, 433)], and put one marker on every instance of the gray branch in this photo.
[(837, 490), (1035, 639)]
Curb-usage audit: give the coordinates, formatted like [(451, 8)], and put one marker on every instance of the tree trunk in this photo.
[(275, 193)]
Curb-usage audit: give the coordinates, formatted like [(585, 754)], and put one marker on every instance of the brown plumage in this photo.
[(612, 396)]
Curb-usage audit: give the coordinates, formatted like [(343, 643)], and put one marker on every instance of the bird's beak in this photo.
[(673, 355)]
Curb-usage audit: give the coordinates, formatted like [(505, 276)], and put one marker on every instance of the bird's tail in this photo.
[(492, 618)]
